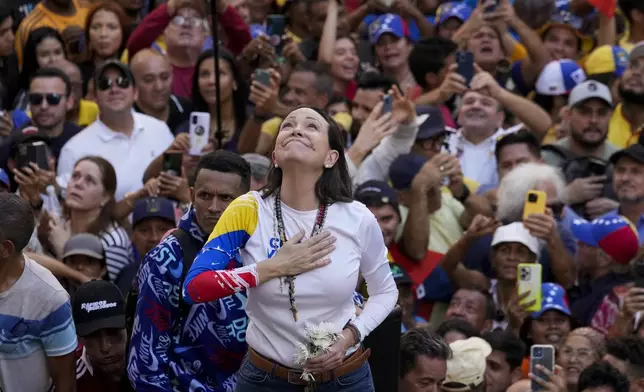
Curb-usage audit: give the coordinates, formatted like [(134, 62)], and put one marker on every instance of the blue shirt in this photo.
[(203, 351)]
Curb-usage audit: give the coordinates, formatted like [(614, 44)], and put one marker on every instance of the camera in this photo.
[(525, 273), (532, 198), (538, 352)]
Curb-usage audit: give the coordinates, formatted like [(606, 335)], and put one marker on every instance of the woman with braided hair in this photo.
[(298, 247)]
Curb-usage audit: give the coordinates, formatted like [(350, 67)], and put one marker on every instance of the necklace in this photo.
[(281, 233)]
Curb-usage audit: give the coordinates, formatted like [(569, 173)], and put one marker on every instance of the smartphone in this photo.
[(275, 29), (597, 168), (529, 279), (465, 65), (544, 355), (637, 270), (490, 5), (262, 76), (199, 132), (172, 162), (35, 152), (535, 203), (386, 104)]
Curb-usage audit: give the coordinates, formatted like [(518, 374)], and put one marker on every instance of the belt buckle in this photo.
[(295, 377)]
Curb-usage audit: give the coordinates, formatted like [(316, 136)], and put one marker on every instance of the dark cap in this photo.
[(375, 193), (153, 207), (399, 274), (97, 305), (84, 244), (117, 65), (403, 170), (635, 151), (27, 135), (433, 125)]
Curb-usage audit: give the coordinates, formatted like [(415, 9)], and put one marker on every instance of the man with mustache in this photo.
[(628, 118), (175, 346), (590, 107)]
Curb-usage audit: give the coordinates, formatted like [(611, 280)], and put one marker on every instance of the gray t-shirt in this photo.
[(35, 323)]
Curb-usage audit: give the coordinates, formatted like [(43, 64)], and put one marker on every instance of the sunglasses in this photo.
[(52, 99), (105, 83), (188, 22)]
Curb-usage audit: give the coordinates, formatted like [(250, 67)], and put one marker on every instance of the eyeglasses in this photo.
[(106, 83), (188, 22), (52, 99)]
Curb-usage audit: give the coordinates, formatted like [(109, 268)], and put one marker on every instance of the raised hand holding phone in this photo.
[(199, 132)]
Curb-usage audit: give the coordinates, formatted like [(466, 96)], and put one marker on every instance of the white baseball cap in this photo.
[(588, 90), (516, 232), (466, 368)]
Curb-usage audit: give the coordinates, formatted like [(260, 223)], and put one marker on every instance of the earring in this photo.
[(328, 166), (277, 167)]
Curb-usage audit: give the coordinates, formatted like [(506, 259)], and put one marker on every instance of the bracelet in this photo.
[(37, 206), (350, 326), (465, 195)]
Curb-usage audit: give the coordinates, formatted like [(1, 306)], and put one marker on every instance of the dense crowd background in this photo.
[(451, 112)]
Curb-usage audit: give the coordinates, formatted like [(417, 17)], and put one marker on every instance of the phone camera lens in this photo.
[(194, 120), (532, 198), (538, 352)]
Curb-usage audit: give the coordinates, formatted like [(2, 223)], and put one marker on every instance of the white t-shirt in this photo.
[(247, 230)]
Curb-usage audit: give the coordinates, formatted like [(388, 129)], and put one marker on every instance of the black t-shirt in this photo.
[(180, 109), (9, 81)]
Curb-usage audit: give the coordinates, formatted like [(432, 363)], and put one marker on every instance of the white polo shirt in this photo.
[(478, 161), (130, 155)]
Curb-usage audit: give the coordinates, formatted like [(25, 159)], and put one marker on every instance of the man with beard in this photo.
[(628, 182), (590, 107), (99, 315), (175, 346), (628, 118)]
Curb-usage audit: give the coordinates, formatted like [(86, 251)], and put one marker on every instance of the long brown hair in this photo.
[(108, 180), (116, 9)]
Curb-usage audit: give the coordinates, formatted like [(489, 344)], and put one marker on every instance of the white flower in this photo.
[(320, 339)]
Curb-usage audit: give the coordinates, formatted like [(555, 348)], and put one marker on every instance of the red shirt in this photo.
[(87, 380)]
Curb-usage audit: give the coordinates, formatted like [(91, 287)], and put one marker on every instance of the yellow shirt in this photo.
[(40, 17), (620, 132), (87, 113), (270, 127)]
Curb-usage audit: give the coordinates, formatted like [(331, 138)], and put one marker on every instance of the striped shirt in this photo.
[(35, 323), (118, 249)]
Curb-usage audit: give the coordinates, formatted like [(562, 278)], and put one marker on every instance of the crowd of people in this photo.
[(363, 160)]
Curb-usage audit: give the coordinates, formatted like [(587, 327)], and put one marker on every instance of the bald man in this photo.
[(83, 112), (153, 75)]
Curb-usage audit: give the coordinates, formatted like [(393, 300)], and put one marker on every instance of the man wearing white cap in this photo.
[(466, 368), (590, 107)]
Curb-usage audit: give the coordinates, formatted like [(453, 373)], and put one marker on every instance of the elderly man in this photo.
[(153, 75)]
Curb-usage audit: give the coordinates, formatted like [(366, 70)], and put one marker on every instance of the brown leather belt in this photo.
[(293, 376)]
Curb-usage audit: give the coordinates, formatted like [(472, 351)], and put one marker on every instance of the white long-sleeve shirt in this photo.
[(246, 232)]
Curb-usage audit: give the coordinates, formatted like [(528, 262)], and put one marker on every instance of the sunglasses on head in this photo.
[(53, 99), (105, 83)]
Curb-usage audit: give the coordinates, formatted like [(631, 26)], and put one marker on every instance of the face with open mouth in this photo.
[(345, 60), (486, 47), (392, 52), (551, 327)]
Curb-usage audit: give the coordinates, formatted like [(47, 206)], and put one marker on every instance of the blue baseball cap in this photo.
[(388, 23), (559, 77), (434, 123), (374, 193), (553, 297), (403, 170), (4, 178), (613, 233), (153, 207), (453, 9)]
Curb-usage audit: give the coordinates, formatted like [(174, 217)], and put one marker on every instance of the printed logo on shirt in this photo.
[(99, 305), (274, 246)]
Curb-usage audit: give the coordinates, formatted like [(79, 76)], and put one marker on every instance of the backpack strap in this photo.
[(190, 246)]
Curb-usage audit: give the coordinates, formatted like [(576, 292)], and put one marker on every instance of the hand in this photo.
[(551, 382), (451, 168), (291, 51), (43, 230), (633, 301), (297, 257), (151, 188), (403, 8), (492, 197), (174, 187), (259, 47), (334, 356), (403, 109), (598, 207), (59, 234), (584, 189), (428, 177), (542, 226), (6, 125), (501, 17), (485, 81), (29, 184), (265, 97), (375, 128), (181, 143), (453, 84), (517, 310), (482, 225)]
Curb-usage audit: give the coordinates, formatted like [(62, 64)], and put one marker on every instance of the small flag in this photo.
[(606, 7)]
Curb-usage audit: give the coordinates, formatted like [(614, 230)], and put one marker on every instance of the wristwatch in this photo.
[(36, 206), (464, 195)]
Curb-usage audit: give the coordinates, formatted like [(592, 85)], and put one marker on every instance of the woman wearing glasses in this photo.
[(298, 248)]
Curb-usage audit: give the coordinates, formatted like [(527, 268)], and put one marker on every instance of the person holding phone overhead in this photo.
[(307, 278)]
